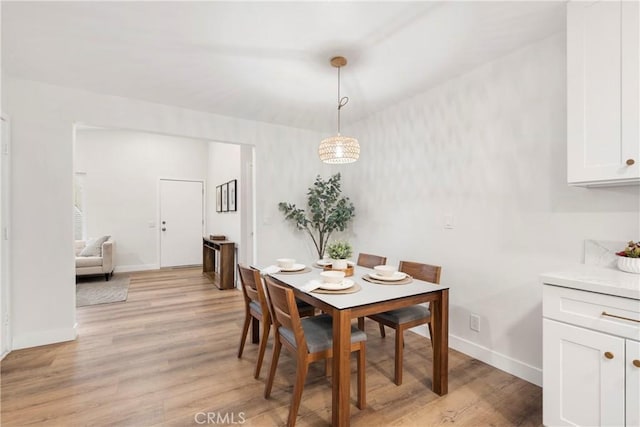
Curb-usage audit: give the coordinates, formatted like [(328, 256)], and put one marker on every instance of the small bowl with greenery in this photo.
[(629, 258), (339, 251)]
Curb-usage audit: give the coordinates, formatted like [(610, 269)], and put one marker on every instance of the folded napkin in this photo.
[(270, 270), (310, 286)]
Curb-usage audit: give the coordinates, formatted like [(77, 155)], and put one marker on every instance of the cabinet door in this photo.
[(630, 103), (583, 376), (602, 92), (633, 383)]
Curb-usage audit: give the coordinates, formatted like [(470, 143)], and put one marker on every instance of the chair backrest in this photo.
[(252, 286), (370, 261), (426, 272), (285, 310)]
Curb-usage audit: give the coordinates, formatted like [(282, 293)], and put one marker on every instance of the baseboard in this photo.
[(52, 336), (132, 268), (497, 360)]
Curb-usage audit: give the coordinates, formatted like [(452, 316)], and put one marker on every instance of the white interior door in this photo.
[(181, 222)]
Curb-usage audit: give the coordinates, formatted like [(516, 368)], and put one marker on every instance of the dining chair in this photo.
[(256, 309), (308, 340), (369, 261), (408, 317)]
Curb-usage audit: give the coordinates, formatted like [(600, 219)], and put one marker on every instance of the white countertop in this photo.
[(603, 280)]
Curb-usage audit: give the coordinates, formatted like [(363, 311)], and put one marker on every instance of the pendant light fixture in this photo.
[(339, 149)]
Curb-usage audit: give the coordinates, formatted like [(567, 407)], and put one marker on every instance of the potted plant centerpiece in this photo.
[(328, 211), (629, 258), (339, 251)]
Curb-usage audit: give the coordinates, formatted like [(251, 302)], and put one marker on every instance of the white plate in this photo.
[(398, 275), (345, 284), (296, 267)]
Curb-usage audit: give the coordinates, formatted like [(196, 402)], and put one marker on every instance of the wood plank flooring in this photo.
[(167, 356)]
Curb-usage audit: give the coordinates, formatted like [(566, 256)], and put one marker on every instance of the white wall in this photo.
[(488, 148), (123, 169), (43, 298), (224, 165)]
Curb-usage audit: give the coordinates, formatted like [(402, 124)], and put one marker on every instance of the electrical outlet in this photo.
[(474, 322)]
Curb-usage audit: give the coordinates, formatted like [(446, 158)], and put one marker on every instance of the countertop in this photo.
[(603, 280)]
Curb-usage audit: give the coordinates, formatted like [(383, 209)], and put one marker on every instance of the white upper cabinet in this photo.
[(603, 92)]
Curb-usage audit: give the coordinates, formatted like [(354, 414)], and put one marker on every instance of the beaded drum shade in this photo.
[(339, 149)]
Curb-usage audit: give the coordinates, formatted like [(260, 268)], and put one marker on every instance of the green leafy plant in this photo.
[(339, 250), (631, 251), (328, 211)]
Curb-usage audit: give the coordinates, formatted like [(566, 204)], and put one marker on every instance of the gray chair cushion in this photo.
[(318, 331), (256, 307), (302, 305), (405, 314)]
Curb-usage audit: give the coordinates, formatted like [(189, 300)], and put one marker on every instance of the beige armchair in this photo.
[(93, 265)]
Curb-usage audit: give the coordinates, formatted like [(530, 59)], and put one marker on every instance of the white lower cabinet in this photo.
[(582, 386), (591, 359), (633, 383)]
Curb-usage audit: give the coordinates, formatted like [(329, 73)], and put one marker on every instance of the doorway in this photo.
[(181, 222)]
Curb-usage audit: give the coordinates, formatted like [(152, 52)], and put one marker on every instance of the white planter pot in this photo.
[(339, 264), (630, 265)]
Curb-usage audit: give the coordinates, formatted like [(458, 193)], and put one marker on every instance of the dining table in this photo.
[(372, 298)]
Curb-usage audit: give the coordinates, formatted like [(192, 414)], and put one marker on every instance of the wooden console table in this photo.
[(224, 251)]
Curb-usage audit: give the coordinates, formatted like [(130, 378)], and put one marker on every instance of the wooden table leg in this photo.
[(340, 399), (440, 326)]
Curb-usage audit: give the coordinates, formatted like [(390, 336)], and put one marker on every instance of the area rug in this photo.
[(95, 290)]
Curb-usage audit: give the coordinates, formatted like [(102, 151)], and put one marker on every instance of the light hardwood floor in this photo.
[(168, 354)]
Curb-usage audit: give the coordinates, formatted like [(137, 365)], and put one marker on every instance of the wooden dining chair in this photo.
[(308, 340), (369, 261), (257, 310), (408, 317)]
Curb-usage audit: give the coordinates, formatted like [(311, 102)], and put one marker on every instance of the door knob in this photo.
[(164, 222), (630, 162), (164, 228), (636, 363), (608, 355)]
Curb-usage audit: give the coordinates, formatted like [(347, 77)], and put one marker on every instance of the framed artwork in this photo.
[(225, 197), (219, 198), (232, 195)]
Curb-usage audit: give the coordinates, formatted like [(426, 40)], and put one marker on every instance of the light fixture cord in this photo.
[(341, 101)]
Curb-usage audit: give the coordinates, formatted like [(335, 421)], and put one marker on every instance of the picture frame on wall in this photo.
[(219, 198), (233, 198), (225, 197)]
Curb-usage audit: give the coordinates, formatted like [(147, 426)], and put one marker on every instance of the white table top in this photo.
[(603, 280), (369, 294)]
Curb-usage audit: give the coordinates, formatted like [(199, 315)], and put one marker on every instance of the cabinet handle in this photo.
[(608, 355), (636, 363), (604, 313), (631, 162)]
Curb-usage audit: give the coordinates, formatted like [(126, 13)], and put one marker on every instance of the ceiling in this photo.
[(265, 61)]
